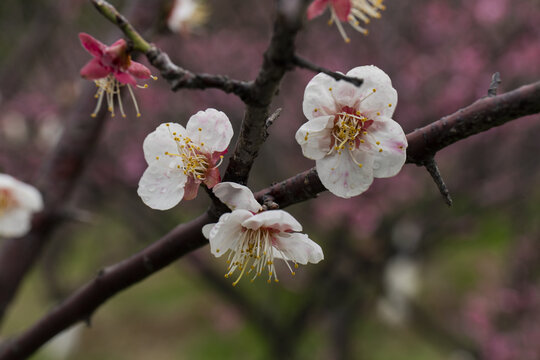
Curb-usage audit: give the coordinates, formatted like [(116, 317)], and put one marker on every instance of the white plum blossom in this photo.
[(18, 202), (180, 159), (253, 238), (350, 132), (187, 15)]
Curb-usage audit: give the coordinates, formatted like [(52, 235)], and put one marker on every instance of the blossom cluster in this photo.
[(350, 134)]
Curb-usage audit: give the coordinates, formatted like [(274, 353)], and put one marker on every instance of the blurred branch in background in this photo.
[(58, 178)]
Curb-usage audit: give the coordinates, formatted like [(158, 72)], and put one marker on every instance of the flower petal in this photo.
[(316, 8), (297, 247), (372, 102), (315, 137), (139, 70), (125, 78), (342, 176), (342, 9), (318, 99), (273, 219), (161, 140), (227, 232), (162, 185), (191, 188), (92, 45), (15, 223), (210, 128), (94, 70), (236, 196), (207, 229), (212, 177), (28, 197), (393, 143)]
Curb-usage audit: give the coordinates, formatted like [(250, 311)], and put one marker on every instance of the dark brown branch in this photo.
[(180, 78), (305, 64), (482, 115), (277, 61)]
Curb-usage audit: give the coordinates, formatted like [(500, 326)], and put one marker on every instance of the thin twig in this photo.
[(433, 169), (305, 64), (494, 85), (177, 77)]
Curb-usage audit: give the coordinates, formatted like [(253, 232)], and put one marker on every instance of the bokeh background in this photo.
[(404, 276)]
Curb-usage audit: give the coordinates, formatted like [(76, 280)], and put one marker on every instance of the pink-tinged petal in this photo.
[(139, 70), (383, 100), (162, 185), (15, 222), (318, 99), (236, 196), (210, 128), (226, 233), (212, 178), (216, 156), (191, 189), (161, 140), (342, 9), (393, 142), (94, 70), (125, 78), (207, 229), (297, 247), (315, 137), (342, 176), (278, 220), (92, 45), (316, 8)]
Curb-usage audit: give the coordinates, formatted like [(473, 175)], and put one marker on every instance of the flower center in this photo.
[(194, 162), (7, 201), (349, 127), (254, 253)]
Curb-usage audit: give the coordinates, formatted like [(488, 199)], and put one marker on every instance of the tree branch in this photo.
[(277, 61), (177, 77), (81, 305), (305, 64)]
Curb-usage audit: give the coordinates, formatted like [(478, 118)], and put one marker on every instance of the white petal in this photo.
[(161, 140), (162, 185), (297, 247), (372, 102), (28, 197), (15, 223), (274, 219), (206, 229), (210, 128), (393, 143), (227, 232), (342, 177), (7, 181), (318, 99), (315, 137), (236, 196)]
